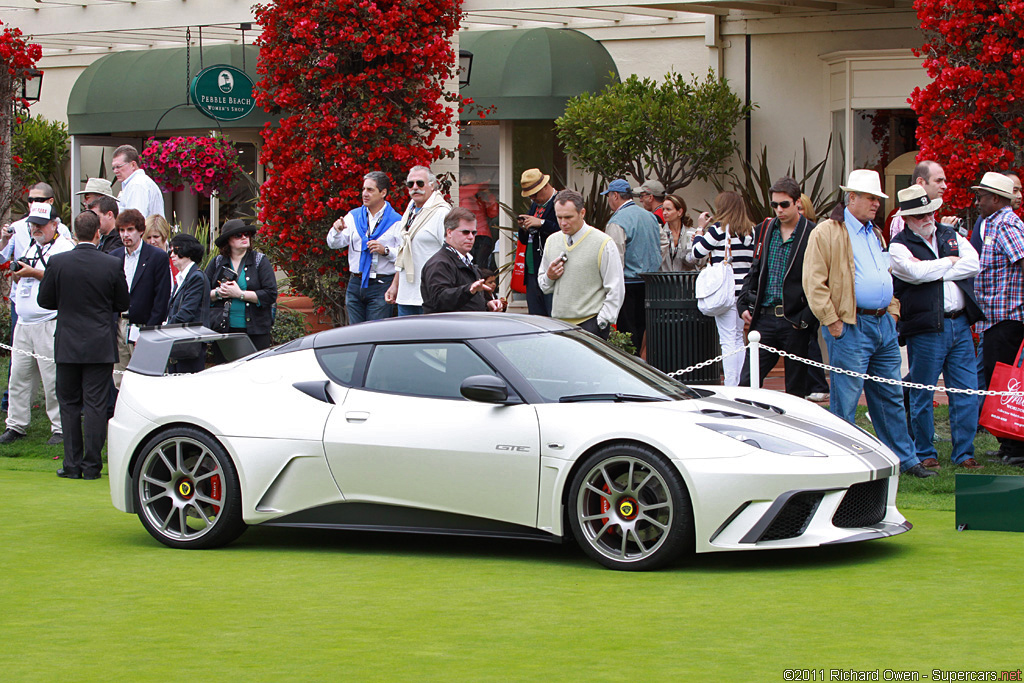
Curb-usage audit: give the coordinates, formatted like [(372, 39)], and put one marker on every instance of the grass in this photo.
[(88, 595)]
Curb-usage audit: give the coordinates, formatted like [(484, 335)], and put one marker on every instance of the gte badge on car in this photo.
[(510, 447)]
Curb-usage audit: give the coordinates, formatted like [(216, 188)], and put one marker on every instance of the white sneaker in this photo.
[(818, 397)]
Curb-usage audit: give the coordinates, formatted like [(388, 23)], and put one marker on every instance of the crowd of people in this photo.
[(79, 302), (862, 285)]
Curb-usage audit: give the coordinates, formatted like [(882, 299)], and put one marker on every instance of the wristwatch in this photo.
[(603, 324), (387, 251)]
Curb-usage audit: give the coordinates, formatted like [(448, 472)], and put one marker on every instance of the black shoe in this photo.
[(56, 439), (68, 474), (11, 435), (920, 472), (91, 477)]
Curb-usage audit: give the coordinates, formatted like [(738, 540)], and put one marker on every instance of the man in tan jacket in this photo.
[(850, 290)]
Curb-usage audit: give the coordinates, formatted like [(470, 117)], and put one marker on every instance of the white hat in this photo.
[(996, 183), (864, 181), (914, 201), (98, 186), (41, 213)]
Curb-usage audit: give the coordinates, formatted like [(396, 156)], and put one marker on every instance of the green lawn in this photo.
[(86, 594)]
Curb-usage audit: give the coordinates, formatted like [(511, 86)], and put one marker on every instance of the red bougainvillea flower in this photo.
[(203, 164)]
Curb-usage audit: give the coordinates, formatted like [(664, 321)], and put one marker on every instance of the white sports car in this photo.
[(496, 425)]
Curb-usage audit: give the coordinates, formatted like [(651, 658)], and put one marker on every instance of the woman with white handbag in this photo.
[(729, 240)]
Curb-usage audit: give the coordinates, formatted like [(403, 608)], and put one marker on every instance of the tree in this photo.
[(678, 131), (17, 57), (971, 116), (360, 86)]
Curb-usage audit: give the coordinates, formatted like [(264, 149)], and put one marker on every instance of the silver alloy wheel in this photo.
[(624, 508), (181, 489)]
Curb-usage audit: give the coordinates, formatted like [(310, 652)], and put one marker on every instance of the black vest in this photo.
[(922, 306)]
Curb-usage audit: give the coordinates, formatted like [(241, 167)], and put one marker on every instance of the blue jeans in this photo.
[(981, 366), (950, 352), (870, 347), (404, 310), (366, 303)]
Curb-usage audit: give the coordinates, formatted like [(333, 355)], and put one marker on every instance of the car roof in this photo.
[(436, 327)]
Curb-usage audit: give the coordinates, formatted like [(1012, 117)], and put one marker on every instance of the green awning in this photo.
[(533, 73), (129, 92)]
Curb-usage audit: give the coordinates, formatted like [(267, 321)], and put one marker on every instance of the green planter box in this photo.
[(990, 502)]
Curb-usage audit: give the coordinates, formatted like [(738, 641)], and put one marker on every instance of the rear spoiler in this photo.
[(153, 348)]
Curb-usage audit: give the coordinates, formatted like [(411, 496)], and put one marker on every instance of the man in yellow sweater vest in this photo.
[(582, 269)]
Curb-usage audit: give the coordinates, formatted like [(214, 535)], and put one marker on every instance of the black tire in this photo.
[(629, 509), (186, 490)]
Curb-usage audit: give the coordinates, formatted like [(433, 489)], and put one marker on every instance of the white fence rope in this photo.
[(754, 346)]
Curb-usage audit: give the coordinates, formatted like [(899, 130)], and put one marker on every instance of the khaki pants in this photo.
[(27, 372), (124, 351)]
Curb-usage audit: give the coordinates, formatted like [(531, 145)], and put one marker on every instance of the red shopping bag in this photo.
[(1003, 416), (519, 269)]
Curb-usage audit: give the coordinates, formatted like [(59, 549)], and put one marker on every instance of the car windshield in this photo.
[(573, 366)]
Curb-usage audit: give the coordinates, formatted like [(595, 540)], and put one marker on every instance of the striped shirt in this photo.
[(713, 242)]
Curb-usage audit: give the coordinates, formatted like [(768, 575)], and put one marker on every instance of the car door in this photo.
[(408, 438)]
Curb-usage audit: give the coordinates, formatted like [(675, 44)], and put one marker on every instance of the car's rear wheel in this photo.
[(629, 508), (186, 490)]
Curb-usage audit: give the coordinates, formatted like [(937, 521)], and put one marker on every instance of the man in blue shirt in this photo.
[(860, 313)]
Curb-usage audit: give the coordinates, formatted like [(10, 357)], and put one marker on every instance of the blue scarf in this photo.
[(362, 220)]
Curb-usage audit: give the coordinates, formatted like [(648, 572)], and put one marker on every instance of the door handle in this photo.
[(356, 416)]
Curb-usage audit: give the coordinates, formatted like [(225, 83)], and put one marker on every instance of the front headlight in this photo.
[(765, 442)]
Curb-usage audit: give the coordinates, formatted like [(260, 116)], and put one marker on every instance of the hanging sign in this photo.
[(223, 92)]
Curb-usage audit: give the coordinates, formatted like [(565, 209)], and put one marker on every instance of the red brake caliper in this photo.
[(215, 491), (605, 505)]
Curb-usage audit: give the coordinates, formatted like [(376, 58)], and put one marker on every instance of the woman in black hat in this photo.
[(244, 287)]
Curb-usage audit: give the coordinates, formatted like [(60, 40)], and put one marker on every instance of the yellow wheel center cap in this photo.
[(627, 508), (185, 489)]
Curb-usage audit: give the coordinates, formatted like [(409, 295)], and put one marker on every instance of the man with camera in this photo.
[(33, 333)]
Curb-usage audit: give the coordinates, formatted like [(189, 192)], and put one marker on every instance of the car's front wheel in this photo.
[(629, 508), (186, 490)]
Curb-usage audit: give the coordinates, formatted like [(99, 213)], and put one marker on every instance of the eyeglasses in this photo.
[(117, 167), (415, 183), (782, 205), (466, 232), (38, 200)]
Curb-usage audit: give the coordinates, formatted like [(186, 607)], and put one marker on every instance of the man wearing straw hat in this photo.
[(1000, 285), (535, 227), (95, 188), (933, 269), (857, 306)]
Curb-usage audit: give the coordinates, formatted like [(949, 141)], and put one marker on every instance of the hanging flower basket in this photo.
[(203, 165)]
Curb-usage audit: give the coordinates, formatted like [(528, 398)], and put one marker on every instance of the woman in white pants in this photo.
[(730, 219)]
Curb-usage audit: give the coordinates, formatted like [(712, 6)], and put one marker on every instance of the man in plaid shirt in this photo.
[(772, 299), (1000, 286)]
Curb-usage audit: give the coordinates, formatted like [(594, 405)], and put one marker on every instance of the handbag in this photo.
[(219, 317), (519, 269), (1003, 416), (716, 286)]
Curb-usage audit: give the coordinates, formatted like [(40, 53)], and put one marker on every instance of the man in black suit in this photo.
[(449, 280), (87, 288), (148, 274)]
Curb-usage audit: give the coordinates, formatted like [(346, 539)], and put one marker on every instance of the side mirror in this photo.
[(485, 389)]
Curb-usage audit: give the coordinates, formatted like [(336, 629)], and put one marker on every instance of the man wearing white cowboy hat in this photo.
[(95, 187), (933, 269), (1000, 285), (858, 308)]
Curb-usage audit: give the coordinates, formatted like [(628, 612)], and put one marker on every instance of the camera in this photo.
[(16, 266), (227, 275)]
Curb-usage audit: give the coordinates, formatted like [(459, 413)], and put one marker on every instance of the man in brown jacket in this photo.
[(850, 290)]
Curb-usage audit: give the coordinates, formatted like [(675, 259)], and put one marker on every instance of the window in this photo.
[(340, 362), (434, 369)]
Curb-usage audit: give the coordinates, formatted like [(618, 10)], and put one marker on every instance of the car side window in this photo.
[(434, 369), (340, 363)]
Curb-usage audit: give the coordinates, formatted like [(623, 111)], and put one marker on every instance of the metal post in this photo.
[(754, 337)]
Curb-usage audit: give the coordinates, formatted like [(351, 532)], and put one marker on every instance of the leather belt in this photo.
[(953, 314), (773, 310), (877, 312)]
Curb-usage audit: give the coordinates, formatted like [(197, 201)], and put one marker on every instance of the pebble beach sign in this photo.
[(223, 92)]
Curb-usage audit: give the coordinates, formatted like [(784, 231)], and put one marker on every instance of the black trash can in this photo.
[(678, 334)]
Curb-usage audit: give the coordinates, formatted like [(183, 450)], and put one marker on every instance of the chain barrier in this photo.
[(39, 356), (702, 364)]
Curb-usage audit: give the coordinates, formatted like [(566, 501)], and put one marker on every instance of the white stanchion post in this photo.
[(754, 337)]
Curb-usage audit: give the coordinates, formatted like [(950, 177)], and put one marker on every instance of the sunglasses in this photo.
[(784, 205), (466, 232), (415, 183), (38, 200)]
